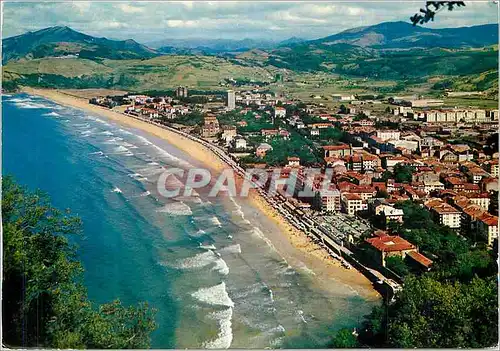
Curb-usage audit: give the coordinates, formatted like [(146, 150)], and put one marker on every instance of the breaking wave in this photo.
[(214, 295), (176, 209), (225, 335)]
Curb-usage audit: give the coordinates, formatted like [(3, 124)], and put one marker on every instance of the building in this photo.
[(342, 97), (426, 102), (444, 213), (492, 167), (210, 127), (390, 213), (488, 228), (231, 100), (181, 92), (390, 245), (293, 161), (330, 201), (279, 112), (228, 134), (386, 135), (240, 143), (352, 203), (262, 149), (432, 186), (337, 150)]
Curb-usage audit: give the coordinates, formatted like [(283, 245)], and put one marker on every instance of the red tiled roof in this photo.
[(336, 147), (489, 219), (418, 257), (390, 243), (350, 196)]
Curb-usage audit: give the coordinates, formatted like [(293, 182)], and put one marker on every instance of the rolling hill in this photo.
[(64, 41)]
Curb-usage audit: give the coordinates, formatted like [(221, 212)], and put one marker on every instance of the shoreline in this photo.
[(312, 255)]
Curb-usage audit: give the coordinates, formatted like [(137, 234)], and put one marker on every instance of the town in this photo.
[(384, 158)]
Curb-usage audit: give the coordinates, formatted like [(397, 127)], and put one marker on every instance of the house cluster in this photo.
[(164, 107), (453, 179)]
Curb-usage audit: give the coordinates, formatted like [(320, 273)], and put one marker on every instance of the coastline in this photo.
[(313, 256)]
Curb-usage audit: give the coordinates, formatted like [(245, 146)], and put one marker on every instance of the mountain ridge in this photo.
[(64, 41)]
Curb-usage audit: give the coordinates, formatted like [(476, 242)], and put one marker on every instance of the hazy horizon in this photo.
[(147, 22)]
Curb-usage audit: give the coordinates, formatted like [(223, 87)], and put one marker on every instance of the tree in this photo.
[(44, 301), (343, 109), (433, 7), (403, 173), (429, 313), (360, 116), (345, 339), (397, 265)]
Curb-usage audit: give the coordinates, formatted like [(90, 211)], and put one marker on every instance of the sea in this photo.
[(206, 265)]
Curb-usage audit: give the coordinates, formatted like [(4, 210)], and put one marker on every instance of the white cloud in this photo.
[(151, 21), (81, 6), (182, 24), (130, 9)]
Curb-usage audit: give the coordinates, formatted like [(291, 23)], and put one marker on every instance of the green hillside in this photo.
[(204, 72)]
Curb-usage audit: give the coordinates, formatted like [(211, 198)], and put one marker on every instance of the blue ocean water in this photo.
[(206, 265)]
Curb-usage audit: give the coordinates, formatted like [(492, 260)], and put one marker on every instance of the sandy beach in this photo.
[(317, 259)]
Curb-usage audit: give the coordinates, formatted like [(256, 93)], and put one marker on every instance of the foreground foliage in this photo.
[(452, 306), (45, 303)]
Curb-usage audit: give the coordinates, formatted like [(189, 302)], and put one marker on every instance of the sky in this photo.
[(151, 21)]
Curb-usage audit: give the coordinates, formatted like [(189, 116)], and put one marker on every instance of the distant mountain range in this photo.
[(390, 50), (400, 35), (63, 41), (216, 46)]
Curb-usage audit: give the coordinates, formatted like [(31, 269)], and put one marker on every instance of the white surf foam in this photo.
[(150, 171), (225, 335), (171, 157), (31, 105), (198, 234), (216, 221), (176, 209), (120, 149), (87, 133), (208, 247), (234, 249), (202, 260), (52, 114), (144, 140), (221, 266), (257, 232), (100, 153), (197, 261), (300, 316), (107, 132), (214, 295), (117, 190), (137, 176), (98, 120), (18, 99)]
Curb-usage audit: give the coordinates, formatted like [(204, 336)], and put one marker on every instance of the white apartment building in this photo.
[(388, 134), (231, 100)]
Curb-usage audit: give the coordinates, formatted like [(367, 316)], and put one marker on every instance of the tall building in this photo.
[(231, 100), (181, 92)]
